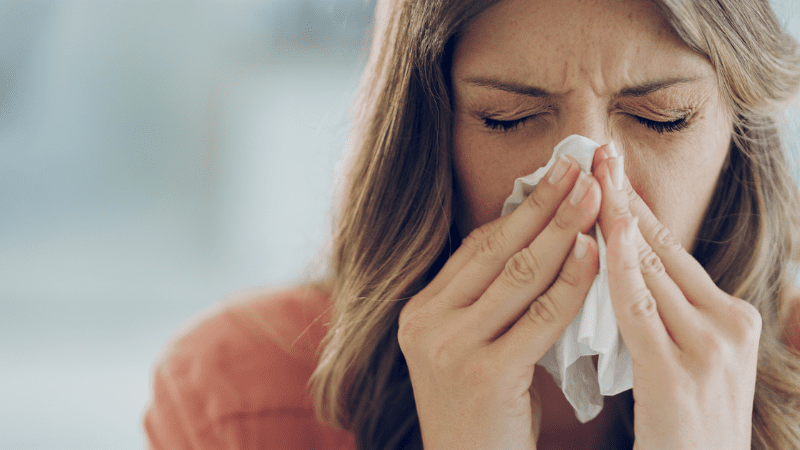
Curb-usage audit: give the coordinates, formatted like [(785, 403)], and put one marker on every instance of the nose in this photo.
[(590, 121)]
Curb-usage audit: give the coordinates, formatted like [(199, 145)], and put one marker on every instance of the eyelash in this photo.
[(504, 125), (664, 127), (659, 127)]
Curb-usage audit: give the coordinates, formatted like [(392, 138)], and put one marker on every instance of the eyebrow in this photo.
[(653, 86), (514, 88), (536, 92)]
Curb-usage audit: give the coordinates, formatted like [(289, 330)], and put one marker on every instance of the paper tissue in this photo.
[(594, 330)]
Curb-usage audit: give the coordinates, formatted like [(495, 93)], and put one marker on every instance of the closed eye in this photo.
[(664, 127), (504, 125), (673, 126)]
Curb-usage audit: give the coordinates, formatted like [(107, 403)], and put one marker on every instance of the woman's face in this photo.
[(526, 74)]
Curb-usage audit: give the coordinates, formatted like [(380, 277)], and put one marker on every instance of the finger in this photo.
[(640, 325), (682, 267), (680, 318), (530, 271), (463, 253), (602, 153), (545, 319), (487, 253)]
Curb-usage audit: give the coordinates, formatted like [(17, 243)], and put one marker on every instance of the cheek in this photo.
[(676, 179), (485, 167)]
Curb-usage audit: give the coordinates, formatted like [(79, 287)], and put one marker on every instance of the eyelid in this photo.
[(508, 114), (655, 113), (507, 121), (673, 126), (504, 126), (683, 115), (512, 114)]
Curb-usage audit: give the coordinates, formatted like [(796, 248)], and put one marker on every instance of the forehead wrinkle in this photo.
[(661, 94), (564, 55)]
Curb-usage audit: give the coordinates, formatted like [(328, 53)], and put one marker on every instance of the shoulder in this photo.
[(251, 332), (241, 370)]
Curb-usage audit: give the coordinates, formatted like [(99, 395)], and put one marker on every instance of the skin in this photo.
[(585, 54), (471, 338)]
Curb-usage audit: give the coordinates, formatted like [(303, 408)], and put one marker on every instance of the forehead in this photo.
[(561, 44)]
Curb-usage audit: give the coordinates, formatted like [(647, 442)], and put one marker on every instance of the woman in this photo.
[(431, 342)]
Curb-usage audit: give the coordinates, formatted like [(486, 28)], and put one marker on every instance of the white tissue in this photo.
[(594, 330)]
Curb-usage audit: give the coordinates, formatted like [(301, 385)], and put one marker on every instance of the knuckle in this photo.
[(535, 200), (746, 320), (404, 339), (523, 268), (411, 306), (444, 355), (543, 311), (650, 263), (447, 347), (663, 239), (642, 305), (402, 321), (632, 194), (408, 330), (476, 237), (562, 221), (629, 265), (569, 278), (414, 325), (620, 210), (493, 246), (712, 345)]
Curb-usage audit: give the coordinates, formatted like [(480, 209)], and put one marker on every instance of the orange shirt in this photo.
[(238, 379)]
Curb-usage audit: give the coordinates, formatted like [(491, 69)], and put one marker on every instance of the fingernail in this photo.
[(558, 170), (581, 245), (616, 165), (632, 224), (611, 149), (580, 189)]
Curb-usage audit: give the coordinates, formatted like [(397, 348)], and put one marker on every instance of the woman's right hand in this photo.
[(471, 338)]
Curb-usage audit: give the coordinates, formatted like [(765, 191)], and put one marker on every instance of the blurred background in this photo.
[(155, 157)]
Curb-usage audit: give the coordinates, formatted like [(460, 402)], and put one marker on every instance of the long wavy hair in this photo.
[(394, 226)]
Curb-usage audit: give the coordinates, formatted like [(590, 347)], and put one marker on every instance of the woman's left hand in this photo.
[(694, 348)]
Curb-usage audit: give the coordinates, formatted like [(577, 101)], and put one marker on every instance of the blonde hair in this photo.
[(394, 228)]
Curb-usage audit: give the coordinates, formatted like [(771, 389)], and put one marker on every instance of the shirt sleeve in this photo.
[(238, 381)]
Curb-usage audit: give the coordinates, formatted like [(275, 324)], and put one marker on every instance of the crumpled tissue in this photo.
[(594, 330)]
